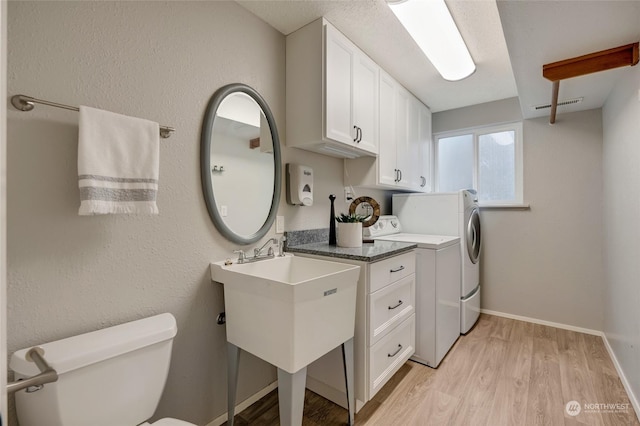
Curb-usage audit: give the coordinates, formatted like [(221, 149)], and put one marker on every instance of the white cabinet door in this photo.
[(351, 85), (387, 137), (403, 149), (339, 70), (404, 143), (413, 129), (425, 148), (365, 102)]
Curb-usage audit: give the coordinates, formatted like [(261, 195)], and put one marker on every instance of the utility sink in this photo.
[(288, 310)]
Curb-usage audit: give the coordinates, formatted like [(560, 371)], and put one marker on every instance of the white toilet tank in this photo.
[(113, 376)]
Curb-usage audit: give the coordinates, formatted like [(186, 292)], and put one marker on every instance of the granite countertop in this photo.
[(369, 252)]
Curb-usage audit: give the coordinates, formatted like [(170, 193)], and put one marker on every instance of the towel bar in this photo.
[(26, 103)]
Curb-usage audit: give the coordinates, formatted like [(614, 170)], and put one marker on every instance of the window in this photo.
[(487, 159)]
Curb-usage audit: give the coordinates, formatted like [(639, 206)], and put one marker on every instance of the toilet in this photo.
[(113, 376)]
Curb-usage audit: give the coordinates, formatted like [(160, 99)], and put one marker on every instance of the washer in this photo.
[(457, 214), (437, 288)]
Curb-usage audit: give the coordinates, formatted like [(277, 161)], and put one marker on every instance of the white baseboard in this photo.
[(623, 378), (543, 322), (245, 404)]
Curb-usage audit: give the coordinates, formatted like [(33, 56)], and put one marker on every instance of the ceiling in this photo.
[(541, 32), (509, 42)]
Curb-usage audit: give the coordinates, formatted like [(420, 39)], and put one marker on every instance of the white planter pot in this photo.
[(349, 234)]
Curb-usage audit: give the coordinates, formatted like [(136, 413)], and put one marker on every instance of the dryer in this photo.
[(455, 213)]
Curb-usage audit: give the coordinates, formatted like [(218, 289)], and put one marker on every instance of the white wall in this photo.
[(69, 274), (621, 159), (545, 263), (246, 171)]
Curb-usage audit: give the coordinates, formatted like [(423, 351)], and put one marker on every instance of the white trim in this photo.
[(245, 404), (623, 377), (543, 322)]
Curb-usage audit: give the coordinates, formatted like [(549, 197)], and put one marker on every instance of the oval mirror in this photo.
[(240, 163)]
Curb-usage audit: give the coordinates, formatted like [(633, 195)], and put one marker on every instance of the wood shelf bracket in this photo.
[(603, 60)]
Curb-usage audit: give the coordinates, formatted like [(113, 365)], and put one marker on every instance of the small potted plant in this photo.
[(350, 230)]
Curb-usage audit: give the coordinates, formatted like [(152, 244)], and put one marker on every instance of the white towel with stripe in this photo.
[(118, 163)]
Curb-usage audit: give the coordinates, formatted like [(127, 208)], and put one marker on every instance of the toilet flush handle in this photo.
[(47, 374)]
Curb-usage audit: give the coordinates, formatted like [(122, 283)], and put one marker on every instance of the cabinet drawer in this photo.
[(390, 270), (390, 353), (391, 305)]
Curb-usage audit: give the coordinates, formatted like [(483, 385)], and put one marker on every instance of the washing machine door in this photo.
[(473, 235)]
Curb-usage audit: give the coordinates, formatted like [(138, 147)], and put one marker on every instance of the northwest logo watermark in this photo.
[(573, 408)]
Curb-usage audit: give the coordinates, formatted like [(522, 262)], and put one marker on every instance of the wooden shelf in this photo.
[(604, 60)]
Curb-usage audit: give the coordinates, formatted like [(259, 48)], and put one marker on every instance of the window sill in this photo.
[(505, 207)]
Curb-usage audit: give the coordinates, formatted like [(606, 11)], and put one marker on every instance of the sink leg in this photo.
[(291, 396), (347, 358), (233, 359)]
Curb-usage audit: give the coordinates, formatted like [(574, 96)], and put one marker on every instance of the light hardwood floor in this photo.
[(503, 372)]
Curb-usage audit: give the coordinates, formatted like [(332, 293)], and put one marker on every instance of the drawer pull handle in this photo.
[(401, 268), (396, 352), (393, 307)]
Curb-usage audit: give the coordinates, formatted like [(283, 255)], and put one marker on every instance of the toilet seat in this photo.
[(167, 421)]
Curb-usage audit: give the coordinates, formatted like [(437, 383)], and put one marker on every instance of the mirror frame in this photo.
[(375, 214), (205, 163)]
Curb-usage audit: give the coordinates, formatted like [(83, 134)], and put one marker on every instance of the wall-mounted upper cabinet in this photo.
[(403, 160), (332, 93)]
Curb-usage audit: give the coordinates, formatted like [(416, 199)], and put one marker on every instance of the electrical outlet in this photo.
[(348, 195), (279, 224)]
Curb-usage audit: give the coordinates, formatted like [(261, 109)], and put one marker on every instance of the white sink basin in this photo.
[(288, 310)]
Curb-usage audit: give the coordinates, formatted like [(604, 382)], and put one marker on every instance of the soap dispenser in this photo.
[(299, 185)]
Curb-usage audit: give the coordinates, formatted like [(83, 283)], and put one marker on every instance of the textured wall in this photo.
[(69, 274), (3, 210), (546, 262), (621, 125)]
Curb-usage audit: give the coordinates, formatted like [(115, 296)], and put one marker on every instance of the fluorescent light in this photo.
[(432, 27)]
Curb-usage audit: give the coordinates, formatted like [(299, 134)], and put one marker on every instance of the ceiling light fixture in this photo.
[(432, 27)]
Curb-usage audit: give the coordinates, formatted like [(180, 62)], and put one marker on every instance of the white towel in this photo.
[(118, 163)]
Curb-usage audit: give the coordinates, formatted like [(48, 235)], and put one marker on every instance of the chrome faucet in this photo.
[(257, 251), (242, 257)]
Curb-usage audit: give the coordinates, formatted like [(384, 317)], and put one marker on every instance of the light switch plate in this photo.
[(279, 224)]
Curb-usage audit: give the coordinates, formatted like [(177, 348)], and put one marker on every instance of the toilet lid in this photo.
[(169, 422)]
